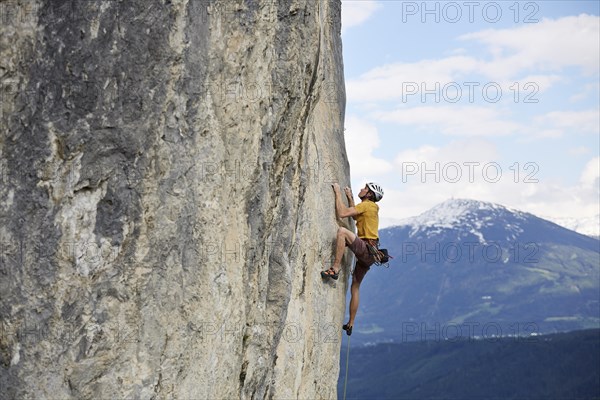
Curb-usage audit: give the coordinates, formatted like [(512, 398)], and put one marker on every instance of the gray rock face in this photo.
[(165, 199)]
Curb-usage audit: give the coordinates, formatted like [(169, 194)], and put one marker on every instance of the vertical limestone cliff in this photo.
[(165, 199)]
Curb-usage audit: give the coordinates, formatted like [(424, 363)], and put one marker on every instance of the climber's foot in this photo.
[(330, 273), (348, 329)]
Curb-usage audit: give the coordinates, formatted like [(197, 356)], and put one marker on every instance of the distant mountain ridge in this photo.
[(454, 211), (589, 226), (477, 268), (471, 218)]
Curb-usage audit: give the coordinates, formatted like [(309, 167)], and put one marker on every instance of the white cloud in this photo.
[(362, 139), (528, 87), (431, 174), (588, 90), (591, 173), (545, 197), (454, 120), (533, 53), (547, 45), (355, 12), (586, 121), (401, 204), (449, 80), (490, 121), (558, 124), (541, 133), (458, 151), (418, 155), (553, 201), (579, 151), (399, 80)]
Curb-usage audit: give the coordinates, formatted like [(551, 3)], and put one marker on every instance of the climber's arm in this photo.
[(340, 208), (348, 192)]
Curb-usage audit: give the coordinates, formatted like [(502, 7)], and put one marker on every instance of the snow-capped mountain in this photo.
[(466, 216), (586, 226), (467, 263), (471, 220)]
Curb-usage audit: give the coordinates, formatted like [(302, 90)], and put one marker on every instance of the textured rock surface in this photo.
[(165, 198)]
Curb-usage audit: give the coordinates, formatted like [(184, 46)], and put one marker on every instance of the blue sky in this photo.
[(494, 101)]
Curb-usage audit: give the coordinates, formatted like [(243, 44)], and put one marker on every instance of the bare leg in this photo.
[(344, 237), (354, 299), (357, 277)]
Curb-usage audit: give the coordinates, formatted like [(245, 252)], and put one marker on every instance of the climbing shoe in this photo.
[(330, 273), (348, 329)]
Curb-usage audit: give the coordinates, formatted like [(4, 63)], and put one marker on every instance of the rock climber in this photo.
[(364, 244)]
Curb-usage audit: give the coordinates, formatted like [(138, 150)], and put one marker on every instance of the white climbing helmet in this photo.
[(376, 189)]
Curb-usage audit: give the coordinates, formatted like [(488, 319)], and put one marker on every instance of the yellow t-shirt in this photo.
[(367, 220)]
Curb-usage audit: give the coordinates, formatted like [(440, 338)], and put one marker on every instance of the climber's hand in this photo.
[(336, 187), (348, 191)]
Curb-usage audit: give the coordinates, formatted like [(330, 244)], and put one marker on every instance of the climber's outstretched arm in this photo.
[(340, 208), (349, 196)]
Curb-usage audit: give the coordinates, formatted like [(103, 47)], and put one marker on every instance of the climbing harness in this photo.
[(381, 256)]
